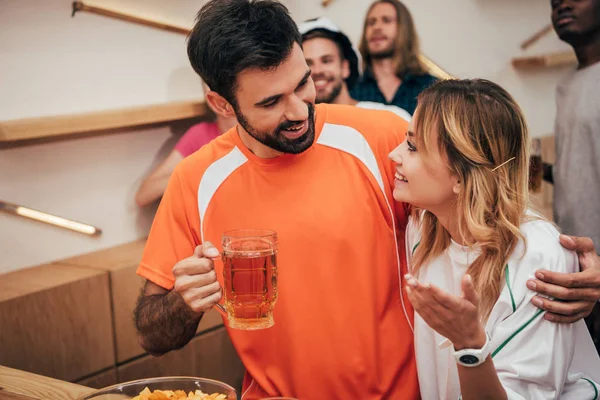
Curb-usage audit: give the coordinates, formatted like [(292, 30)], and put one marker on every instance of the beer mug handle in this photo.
[(221, 309)]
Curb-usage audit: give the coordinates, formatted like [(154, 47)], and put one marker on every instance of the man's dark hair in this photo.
[(323, 34), (233, 35)]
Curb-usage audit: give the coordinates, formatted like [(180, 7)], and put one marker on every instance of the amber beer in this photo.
[(536, 166), (250, 278)]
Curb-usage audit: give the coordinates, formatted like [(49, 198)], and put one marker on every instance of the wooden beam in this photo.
[(433, 68), (107, 12), (40, 216), (550, 60), (536, 36), (54, 126)]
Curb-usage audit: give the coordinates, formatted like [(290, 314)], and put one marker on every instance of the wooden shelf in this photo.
[(56, 126), (108, 12), (551, 60)]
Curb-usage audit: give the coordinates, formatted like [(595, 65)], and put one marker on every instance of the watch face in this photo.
[(469, 359)]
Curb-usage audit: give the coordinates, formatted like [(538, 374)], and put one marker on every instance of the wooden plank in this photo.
[(536, 36), (28, 281), (559, 59), (433, 68), (108, 12), (112, 258), (31, 386), (125, 288), (216, 358), (175, 363), (4, 395), (121, 262), (210, 355), (56, 321), (100, 380), (56, 126)]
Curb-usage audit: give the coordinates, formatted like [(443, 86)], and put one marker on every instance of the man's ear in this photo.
[(345, 69), (219, 105)]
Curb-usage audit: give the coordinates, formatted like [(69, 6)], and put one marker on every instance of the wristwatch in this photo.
[(473, 357)]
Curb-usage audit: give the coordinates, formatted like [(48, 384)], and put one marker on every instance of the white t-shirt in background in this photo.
[(534, 358), (577, 168), (378, 106)]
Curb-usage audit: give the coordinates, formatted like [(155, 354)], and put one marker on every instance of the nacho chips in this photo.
[(147, 394)]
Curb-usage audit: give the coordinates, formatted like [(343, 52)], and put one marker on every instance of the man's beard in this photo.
[(383, 54), (276, 140), (331, 97), (573, 38)]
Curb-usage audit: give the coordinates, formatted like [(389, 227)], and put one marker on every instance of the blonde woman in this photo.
[(472, 245)]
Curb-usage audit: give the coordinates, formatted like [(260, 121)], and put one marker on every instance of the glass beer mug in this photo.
[(249, 278)]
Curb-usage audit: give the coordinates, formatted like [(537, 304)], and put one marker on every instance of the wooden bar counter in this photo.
[(72, 320), (20, 385)]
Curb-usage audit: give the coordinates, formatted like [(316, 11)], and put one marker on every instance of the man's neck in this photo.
[(256, 147), (344, 97), (224, 124), (588, 53), (383, 68), (384, 72)]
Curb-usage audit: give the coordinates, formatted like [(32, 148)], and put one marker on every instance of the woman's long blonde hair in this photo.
[(478, 127), (406, 43)]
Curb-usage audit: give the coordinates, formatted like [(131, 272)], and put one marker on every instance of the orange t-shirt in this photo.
[(341, 330)]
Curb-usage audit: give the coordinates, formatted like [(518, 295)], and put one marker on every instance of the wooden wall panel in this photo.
[(216, 358), (121, 263), (100, 380), (56, 321), (210, 355)]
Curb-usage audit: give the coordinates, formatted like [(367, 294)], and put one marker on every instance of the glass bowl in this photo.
[(128, 390)]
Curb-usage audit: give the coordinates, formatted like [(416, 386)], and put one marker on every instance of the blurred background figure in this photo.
[(154, 185), (576, 173), (335, 64), (393, 73)]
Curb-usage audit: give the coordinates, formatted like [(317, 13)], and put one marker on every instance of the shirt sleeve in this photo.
[(172, 236), (532, 355), (193, 139)]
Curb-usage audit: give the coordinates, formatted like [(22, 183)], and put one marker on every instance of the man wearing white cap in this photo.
[(335, 65)]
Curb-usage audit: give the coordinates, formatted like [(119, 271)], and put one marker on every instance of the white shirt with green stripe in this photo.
[(534, 358)]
